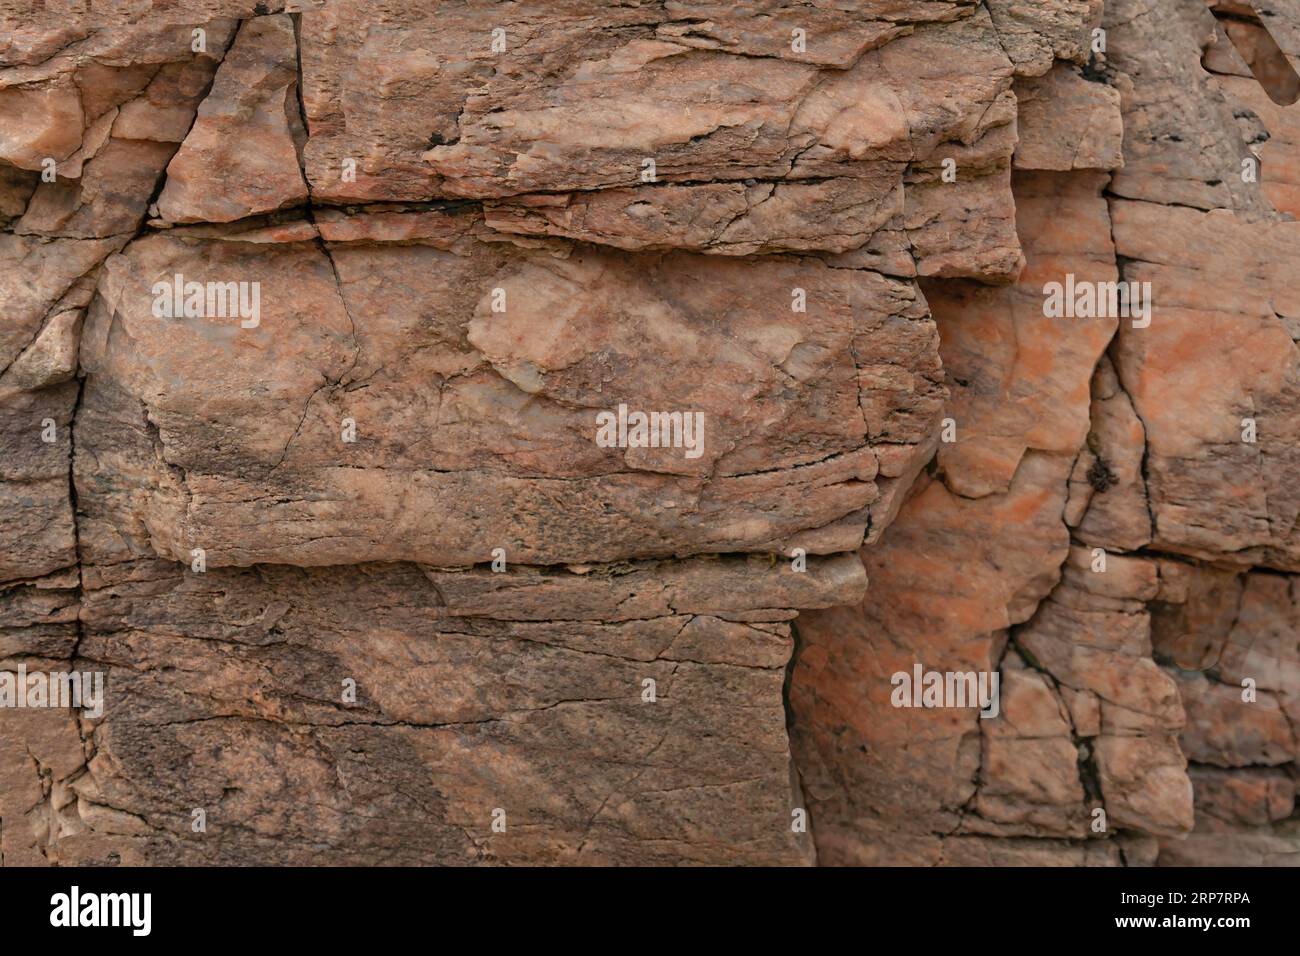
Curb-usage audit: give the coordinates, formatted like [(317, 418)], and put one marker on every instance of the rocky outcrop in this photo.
[(541, 433), (1094, 544)]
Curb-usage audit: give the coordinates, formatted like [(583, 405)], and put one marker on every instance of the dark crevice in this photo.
[(1261, 53), (800, 796)]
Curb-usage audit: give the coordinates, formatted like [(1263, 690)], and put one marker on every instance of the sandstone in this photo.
[(1145, 784), (1035, 33), (1182, 141), (250, 127), (37, 530), (52, 356), (1253, 798), (792, 405), (1111, 481), (550, 433), (558, 733), (1069, 122), (1036, 401), (1194, 464), (1226, 731)]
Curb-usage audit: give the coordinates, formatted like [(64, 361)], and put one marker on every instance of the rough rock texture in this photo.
[(314, 310), (1157, 686)]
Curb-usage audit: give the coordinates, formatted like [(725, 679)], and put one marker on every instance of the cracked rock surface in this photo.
[(1112, 526), (312, 312)]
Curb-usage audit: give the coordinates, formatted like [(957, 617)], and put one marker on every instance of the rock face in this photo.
[(1109, 526), (556, 432)]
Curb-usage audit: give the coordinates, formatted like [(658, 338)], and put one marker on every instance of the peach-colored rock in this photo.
[(1068, 122), (249, 127), (1216, 358), (1039, 398), (1225, 730), (367, 581)]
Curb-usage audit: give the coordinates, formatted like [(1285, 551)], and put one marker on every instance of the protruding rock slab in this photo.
[(241, 157), (619, 714), (474, 375)]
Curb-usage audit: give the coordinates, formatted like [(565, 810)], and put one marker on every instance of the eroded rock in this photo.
[(315, 313)]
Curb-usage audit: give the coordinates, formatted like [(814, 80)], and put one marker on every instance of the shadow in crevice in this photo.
[(1260, 51)]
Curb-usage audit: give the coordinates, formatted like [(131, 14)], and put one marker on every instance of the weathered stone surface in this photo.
[(1217, 352), (1108, 486), (554, 730), (1223, 730), (1033, 33), (834, 215), (1273, 133), (36, 524), (1182, 143), (1068, 122), (249, 127), (136, 90), (883, 781), (363, 580), (758, 142), (1090, 723), (1039, 399), (498, 448), (622, 78), (1253, 798)]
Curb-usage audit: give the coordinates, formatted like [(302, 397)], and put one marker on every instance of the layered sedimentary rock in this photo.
[(402, 396), (474, 428), (1119, 551), (329, 325), (969, 579), (1222, 490)]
